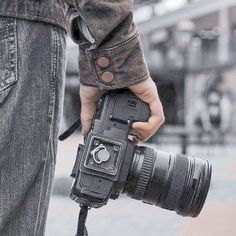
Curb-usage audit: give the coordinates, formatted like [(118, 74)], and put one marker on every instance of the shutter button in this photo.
[(107, 77), (103, 62)]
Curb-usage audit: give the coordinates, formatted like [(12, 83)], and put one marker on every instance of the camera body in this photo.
[(102, 165), (110, 163)]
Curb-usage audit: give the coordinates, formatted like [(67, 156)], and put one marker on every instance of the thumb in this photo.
[(87, 113), (89, 97)]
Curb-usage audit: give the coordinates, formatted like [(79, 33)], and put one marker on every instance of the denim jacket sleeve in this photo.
[(115, 59)]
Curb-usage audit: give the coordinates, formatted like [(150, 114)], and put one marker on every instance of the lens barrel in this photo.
[(174, 182)]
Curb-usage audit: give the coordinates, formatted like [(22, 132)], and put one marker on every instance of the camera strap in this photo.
[(81, 229), (70, 131)]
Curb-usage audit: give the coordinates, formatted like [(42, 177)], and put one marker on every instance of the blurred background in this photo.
[(190, 48)]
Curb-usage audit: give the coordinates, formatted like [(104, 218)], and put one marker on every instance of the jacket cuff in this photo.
[(72, 26), (117, 67)]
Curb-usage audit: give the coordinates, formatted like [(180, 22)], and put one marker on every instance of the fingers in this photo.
[(147, 92), (144, 130), (89, 97)]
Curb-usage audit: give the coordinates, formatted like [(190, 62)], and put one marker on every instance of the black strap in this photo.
[(81, 229), (71, 130)]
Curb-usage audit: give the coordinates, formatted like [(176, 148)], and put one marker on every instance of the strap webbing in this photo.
[(71, 130), (81, 229)]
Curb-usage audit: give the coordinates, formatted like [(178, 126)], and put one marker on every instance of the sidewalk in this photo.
[(126, 216)]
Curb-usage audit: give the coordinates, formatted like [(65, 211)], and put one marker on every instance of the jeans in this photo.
[(32, 72)]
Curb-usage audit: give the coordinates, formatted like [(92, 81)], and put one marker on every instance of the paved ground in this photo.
[(129, 217)]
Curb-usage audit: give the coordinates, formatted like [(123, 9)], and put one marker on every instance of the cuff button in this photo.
[(107, 77), (103, 62)]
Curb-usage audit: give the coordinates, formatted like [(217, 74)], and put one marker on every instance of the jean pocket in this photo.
[(8, 55)]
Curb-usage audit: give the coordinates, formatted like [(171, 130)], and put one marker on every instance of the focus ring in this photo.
[(145, 173), (178, 178)]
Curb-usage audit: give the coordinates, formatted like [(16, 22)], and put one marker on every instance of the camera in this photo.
[(110, 163)]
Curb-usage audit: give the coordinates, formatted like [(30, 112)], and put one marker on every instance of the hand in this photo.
[(89, 97), (146, 91)]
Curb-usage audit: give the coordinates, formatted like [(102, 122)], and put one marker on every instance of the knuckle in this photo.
[(162, 120), (149, 130)]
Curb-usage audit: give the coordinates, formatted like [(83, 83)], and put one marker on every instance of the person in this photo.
[(32, 69)]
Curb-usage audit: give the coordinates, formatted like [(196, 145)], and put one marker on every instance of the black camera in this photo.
[(110, 164)]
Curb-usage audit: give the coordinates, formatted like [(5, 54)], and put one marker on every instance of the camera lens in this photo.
[(174, 182)]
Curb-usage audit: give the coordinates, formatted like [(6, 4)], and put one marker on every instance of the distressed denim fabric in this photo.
[(116, 38), (32, 71), (111, 26), (48, 11)]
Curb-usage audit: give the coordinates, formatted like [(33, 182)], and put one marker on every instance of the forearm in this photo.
[(116, 41)]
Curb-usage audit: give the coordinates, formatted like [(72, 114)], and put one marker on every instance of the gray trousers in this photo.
[(32, 72)]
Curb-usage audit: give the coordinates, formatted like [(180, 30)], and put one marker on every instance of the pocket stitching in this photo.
[(11, 40)]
